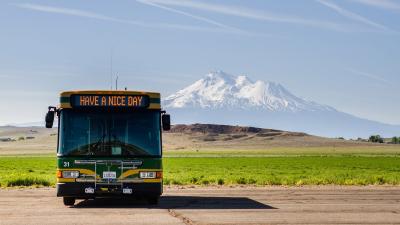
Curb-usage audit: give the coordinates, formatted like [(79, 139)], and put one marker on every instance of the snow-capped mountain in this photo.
[(221, 98), (221, 90)]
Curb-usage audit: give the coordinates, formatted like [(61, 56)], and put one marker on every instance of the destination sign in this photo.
[(130, 101)]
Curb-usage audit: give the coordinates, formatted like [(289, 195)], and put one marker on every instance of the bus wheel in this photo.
[(69, 201), (153, 200)]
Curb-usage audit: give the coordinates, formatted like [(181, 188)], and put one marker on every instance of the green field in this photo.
[(27, 171), (370, 151), (283, 170), (258, 169)]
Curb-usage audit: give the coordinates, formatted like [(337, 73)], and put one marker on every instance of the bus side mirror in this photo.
[(50, 117), (166, 122)]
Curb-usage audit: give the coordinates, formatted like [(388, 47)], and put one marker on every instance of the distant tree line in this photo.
[(395, 140), (379, 139), (375, 139)]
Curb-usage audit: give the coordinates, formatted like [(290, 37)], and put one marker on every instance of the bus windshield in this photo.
[(101, 133)]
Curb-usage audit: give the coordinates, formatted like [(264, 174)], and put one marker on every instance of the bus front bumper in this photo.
[(80, 190)]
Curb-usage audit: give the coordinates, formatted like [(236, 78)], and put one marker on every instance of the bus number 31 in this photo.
[(66, 164)]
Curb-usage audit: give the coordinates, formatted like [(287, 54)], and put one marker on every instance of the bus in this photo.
[(109, 144)]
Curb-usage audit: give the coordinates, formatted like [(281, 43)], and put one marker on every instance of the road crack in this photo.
[(183, 218)]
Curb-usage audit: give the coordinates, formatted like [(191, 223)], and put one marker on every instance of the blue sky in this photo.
[(343, 53)]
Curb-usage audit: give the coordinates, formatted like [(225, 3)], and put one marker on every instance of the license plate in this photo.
[(127, 191), (109, 175)]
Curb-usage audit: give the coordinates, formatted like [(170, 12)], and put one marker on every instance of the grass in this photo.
[(314, 166), (28, 181), (384, 150), (283, 171), (254, 170), (27, 171)]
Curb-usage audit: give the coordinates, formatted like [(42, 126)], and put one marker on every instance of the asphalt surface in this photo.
[(237, 205)]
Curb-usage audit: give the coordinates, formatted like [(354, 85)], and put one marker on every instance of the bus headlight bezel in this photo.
[(70, 174), (147, 174)]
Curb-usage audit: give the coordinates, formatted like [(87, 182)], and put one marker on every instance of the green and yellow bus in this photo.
[(109, 144)]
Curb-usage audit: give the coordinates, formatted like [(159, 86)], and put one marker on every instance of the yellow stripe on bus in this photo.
[(157, 180), (72, 180), (99, 92), (154, 106), (124, 175), (65, 105), (65, 180)]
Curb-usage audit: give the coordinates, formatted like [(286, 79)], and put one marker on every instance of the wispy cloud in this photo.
[(207, 20), (384, 4), (92, 15), (65, 11), (150, 79), (210, 21), (369, 75), (352, 15), (239, 11)]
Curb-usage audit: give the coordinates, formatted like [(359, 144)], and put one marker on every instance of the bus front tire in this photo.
[(69, 201)]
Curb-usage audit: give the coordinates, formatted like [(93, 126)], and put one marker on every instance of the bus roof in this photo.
[(66, 96)]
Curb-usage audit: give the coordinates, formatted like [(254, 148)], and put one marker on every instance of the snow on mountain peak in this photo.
[(221, 90)]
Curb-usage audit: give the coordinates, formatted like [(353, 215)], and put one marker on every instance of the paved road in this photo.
[(239, 205)]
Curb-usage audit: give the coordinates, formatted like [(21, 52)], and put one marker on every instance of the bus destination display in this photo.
[(131, 101)]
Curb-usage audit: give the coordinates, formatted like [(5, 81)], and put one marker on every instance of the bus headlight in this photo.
[(70, 174), (147, 175)]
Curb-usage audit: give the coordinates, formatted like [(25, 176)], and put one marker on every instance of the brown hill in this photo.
[(227, 129), (213, 136)]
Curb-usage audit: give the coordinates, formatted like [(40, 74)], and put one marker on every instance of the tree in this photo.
[(372, 138), (375, 139), (395, 140)]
